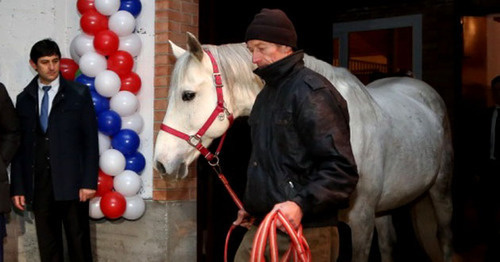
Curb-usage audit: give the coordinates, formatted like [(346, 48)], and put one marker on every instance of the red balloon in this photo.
[(85, 5), (104, 184), (106, 42), (130, 82), (113, 205), (92, 22), (68, 68), (121, 62)]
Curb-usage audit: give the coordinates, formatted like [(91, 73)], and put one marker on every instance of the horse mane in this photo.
[(235, 64)]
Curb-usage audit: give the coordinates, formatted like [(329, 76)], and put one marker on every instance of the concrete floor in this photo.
[(166, 232)]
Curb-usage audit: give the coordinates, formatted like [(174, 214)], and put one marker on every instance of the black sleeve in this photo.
[(323, 126)]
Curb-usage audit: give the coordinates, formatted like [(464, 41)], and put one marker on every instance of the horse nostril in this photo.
[(160, 167)]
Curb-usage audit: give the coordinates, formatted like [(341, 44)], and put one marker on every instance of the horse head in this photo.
[(191, 101)]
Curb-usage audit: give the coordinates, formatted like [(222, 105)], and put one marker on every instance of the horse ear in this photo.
[(194, 46), (177, 50)]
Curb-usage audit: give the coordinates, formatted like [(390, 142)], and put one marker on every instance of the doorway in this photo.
[(376, 48)]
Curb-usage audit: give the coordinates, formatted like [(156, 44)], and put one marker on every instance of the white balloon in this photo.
[(95, 211), (135, 207), (131, 43), (107, 83), (124, 103), (134, 122), (127, 183), (107, 7), (134, 67), (122, 23), (104, 142), (72, 50), (112, 162), (92, 63), (84, 43)]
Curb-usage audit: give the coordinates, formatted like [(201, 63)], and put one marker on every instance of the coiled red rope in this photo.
[(267, 231)]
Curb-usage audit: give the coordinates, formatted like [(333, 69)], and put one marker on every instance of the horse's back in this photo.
[(404, 98), (409, 88)]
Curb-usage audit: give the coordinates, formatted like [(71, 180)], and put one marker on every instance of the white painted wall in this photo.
[(24, 22)]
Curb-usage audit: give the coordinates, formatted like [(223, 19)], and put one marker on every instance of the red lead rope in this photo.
[(299, 245), (267, 229)]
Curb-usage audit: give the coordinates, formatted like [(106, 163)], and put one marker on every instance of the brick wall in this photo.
[(173, 19)]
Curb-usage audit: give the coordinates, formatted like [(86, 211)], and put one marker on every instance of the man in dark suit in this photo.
[(9, 142), (56, 166)]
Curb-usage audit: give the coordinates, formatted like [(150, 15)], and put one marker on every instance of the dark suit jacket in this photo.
[(72, 132), (9, 142)]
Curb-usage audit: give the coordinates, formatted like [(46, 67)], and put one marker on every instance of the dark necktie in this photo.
[(44, 111)]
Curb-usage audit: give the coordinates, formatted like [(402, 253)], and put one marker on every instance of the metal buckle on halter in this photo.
[(214, 162), (225, 113), (194, 140), (221, 116)]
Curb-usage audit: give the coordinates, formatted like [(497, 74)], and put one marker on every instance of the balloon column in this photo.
[(103, 60)]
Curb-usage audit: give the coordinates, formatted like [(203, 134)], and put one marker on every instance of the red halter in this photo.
[(219, 111)]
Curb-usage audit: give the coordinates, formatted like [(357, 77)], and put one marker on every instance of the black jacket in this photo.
[(9, 142), (300, 144), (72, 132)]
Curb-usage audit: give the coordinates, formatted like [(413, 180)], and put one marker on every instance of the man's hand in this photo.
[(86, 194), (244, 219), (19, 202), (291, 211)]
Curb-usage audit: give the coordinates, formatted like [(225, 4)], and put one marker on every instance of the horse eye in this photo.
[(188, 95)]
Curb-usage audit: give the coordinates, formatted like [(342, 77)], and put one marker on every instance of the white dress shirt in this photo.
[(52, 93)]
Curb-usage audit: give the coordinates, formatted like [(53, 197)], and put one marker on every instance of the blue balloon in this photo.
[(135, 162), (86, 80), (109, 122), (126, 141), (101, 103), (132, 6)]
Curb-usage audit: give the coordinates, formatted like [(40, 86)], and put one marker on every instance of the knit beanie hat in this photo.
[(272, 25)]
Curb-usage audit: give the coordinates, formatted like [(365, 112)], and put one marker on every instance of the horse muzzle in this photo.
[(176, 171)]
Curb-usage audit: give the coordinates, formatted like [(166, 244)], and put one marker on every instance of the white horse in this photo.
[(400, 138)]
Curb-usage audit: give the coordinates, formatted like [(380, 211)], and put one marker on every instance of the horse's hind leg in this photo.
[(386, 237), (443, 207), (440, 194), (425, 226), (438, 210)]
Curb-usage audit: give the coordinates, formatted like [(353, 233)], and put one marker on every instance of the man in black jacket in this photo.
[(9, 142), (301, 162), (56, 166)]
